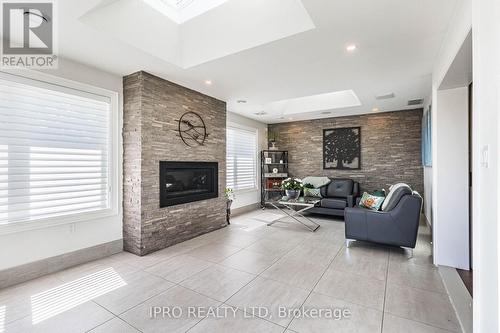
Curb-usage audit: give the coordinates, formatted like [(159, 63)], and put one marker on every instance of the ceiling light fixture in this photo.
[(385, 96), (351, 48), (241, 101), (375, 109), (208, 82)]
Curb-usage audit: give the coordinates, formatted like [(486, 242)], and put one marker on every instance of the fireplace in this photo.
[(183, 182)]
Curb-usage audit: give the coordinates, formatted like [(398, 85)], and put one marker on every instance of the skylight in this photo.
[(315, 103), (181, 11)]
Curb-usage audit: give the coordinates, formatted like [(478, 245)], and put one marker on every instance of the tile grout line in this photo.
[(107, 321), (114, 316), (256, 276), (143, 269), (312, 290), (385, 291), (213, 263), (423, 323), (128, 324)]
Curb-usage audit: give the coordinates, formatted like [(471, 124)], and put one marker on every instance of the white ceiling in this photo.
[(247, 58), (203, 38), (460, 72)]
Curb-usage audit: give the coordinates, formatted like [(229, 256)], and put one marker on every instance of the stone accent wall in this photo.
[(390, 148), (152, 109)]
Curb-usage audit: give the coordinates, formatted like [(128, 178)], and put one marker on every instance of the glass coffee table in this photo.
[(294, 208)]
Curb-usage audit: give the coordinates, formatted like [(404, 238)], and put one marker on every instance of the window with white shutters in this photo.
[(241, 159), (54, 151)]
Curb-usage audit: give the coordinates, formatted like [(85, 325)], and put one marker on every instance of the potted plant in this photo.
[(292, 187), (272, 137), (229, 195), (308, 187)]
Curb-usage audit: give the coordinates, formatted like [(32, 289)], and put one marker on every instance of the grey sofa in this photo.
[(397, 226), (338, 195)]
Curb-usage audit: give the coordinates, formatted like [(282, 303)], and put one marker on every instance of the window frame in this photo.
[(256, 155), (48, 81)]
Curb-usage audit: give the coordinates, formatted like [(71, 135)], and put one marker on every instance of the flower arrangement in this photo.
[(293, 184), (229, 193), (292, 187)]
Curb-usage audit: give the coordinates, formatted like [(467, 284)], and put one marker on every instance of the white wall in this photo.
[(450, 168), (486, 126), (459, 27), (482, 16), (245, 198), (28, 246)]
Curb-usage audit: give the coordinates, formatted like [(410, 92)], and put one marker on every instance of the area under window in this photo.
[(241, 157), (54, 151)]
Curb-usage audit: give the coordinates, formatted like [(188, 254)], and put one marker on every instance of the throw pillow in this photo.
[(371, 201), (312, 192), (317, 182), (379, 193), (396, 192)]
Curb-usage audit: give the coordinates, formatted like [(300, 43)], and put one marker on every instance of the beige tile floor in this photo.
[(248, 271)]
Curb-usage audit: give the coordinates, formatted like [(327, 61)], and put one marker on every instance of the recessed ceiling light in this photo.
[(290, 118), (260, 113), (385, 96), (241, 101), (351, 47), (375, 109), (208, 82)]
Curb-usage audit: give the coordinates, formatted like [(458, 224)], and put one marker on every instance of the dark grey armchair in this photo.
[(398, 226), (336, 196)]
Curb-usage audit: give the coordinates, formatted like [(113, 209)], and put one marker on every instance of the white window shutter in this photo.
[(241, 159), (54, 151)]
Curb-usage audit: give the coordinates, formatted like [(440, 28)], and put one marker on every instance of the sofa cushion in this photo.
[(333, 203), (340, 188), (395, 194)]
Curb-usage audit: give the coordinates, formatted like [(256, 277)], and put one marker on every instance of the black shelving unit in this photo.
[(273, 169)]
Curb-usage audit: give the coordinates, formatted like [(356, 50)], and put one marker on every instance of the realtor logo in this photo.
[(28, 34)]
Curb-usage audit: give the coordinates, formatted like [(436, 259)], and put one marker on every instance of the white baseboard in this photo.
[(459, 295), (244, 209), (33, 270)]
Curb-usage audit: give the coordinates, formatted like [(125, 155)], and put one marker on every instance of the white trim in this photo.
[(115, 150), (460, 298)]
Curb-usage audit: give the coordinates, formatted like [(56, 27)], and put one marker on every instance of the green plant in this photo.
[(307, 185), (292, 184), (272, 136), (229, 193)]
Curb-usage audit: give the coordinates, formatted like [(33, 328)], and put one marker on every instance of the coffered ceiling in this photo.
[(271, 60)]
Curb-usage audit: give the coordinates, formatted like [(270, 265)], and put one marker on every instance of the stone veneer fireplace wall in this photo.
[(152, 108)]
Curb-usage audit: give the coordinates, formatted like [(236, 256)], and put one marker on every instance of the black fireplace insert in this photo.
[(183, 182)]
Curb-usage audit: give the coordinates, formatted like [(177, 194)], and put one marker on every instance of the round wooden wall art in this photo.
[(192, 129)]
